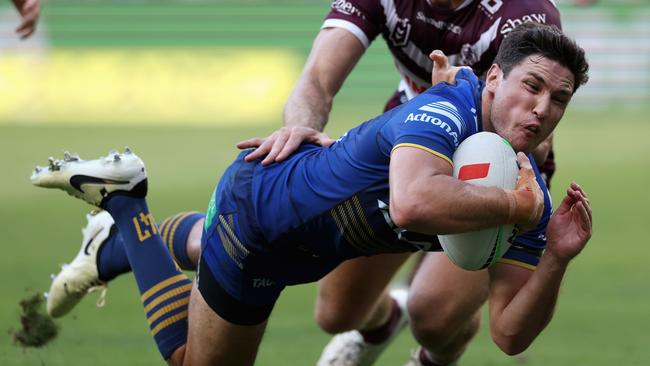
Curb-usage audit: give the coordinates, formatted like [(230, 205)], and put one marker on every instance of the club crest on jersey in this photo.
[(468, 56), (400, 34)]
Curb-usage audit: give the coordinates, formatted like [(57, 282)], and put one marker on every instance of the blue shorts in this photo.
[(242, 266)]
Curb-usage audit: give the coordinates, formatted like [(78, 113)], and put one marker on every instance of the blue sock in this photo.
[(174, 231), (164, 288), (112, 260), (111, 257)]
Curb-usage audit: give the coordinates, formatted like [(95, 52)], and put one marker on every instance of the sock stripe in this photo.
[(170, 243), (171, 222), (169, 294), (169, 321), (162, 284), (168, 309), (162, 226)]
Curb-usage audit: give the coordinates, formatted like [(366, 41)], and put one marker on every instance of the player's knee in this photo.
[(333, 320), (436, 324)]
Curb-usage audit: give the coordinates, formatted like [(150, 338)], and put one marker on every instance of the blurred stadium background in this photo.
[(182, 81)]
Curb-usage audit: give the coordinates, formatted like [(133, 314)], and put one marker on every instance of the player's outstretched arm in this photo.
[(332, 57), (29, 11), (522, 301)]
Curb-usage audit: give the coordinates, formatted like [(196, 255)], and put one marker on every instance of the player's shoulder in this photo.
[(464, 93)]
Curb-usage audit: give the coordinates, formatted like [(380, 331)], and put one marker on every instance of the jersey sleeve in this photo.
[(363, 18), (527, 248), (440, 118)]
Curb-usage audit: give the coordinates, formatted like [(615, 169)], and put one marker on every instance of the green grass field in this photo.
[(601, 318), (603, 313)]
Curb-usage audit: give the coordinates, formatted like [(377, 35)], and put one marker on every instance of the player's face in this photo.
[(529, 103)]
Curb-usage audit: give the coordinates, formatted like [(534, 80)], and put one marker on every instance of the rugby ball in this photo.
[(483, 159)]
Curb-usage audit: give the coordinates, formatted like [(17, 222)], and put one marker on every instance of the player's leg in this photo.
[(102, 257), (353, 301), (118, 184), (444, 303), (222, 329), (164, 289)]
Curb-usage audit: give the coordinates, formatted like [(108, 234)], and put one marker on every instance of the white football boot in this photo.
[(350, 349), (81, 276), (94, 180)]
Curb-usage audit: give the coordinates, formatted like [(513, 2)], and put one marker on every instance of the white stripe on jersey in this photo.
[(350, 27), (446, 109), (481, 45), (411, 50)]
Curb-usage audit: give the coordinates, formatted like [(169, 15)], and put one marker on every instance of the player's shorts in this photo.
[(522, 256), (227, 279), (240, 275)]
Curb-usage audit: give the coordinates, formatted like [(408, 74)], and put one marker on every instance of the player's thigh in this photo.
[(354, 286), (214, 341), (442, 295)]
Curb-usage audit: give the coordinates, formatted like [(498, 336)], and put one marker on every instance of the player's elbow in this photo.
[(413, 215), (402, 215)]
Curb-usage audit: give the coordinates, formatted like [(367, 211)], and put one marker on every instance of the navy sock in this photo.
[(164, 288), (112, 260), (174, 231), (111, 257)]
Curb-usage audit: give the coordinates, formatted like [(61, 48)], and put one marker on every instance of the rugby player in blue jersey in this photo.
[(363, 313), (293, 222)]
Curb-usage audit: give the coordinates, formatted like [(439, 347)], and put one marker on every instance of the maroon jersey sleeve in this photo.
[(363, 18)]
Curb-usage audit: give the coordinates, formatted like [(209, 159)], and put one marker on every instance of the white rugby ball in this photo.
[(483, 159)]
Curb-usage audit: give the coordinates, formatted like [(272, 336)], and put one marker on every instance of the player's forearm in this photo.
[(308, 105), (445, 205), (518, 324)]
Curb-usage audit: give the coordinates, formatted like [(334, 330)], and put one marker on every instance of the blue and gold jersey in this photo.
[(324, 205)]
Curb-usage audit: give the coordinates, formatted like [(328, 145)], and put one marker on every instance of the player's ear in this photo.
[(493, 77)]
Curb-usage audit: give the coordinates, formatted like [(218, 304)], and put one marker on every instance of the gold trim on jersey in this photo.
[(517, 263), (440, 155)]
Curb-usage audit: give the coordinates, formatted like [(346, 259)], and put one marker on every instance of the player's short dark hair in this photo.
[(549, 41)]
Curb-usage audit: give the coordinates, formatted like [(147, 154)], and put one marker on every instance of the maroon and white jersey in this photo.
[(469, 35)]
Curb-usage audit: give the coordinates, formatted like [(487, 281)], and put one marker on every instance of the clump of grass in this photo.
[(38, 328)]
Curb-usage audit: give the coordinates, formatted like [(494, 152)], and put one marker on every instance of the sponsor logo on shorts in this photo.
[(347, 8), (262, 282), (511, 24)]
